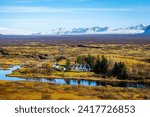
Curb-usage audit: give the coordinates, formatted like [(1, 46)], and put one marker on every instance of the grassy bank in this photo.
[(48, 91), (72, 75)]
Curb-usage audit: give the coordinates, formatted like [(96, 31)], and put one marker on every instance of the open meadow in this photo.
[(37, 57)]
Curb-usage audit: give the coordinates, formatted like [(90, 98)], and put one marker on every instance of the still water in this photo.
[(3, 76)]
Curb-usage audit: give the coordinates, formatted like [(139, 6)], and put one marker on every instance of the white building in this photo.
[(56, 66), (80, 67), (75, 67), (59, 67)]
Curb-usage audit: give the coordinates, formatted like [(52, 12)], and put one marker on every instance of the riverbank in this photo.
[(76, 76), (21, 90)]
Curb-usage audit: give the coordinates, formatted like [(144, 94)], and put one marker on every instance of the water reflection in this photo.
[(90, 82), (135, 85), (3, 76)]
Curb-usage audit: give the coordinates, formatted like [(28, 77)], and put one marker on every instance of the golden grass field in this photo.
[(133, 55), (48, 91)]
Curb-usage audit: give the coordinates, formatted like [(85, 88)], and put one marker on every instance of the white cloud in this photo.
[(12, 31), (25, 9), (10, 9)]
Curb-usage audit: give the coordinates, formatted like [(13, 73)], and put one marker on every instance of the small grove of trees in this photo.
[(80, 59), (100, 65), (91, 60), (119, 70)]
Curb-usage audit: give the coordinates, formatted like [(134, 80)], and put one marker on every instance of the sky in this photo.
[(44, 15)]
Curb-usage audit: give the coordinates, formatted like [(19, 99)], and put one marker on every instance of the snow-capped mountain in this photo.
[(69, 31), (147, 31), (78, 31), (99, 30)]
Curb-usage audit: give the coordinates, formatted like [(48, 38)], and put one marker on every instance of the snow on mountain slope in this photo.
[(11, 31), (147, 31), (78, 31), (99, 30)]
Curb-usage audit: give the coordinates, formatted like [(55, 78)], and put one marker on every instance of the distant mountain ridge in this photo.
[(99, 30), (138, 29), (147, 31)]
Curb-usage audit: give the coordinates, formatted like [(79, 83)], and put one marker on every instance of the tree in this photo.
[(67, 62), (97, 65), (115, 69), (101, 65), (119, 70), (90, 60), (80, 60), (68, 65)]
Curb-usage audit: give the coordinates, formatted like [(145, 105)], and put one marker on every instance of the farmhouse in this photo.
[(75, 67), (80, 67)]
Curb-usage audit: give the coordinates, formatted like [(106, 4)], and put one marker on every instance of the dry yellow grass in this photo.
[(48, 91), (131, 54)]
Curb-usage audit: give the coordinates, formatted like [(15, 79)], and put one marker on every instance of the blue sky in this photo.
[(43, 15)]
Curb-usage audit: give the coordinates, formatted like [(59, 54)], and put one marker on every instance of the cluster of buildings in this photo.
[(74, 67)]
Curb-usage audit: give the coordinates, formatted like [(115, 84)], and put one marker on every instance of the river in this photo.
[(3, 76)]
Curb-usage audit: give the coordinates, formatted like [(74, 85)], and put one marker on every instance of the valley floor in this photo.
[(30, 56)]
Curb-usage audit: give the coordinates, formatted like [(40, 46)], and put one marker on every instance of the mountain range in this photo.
[(79, 31), (147, 31)]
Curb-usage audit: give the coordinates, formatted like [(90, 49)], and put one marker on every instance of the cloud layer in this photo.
[(24, 9)]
